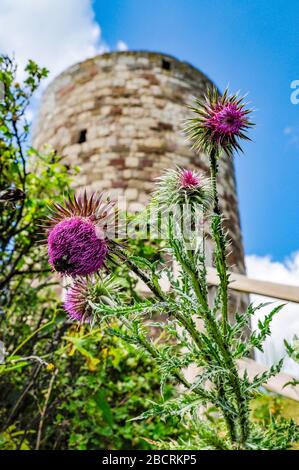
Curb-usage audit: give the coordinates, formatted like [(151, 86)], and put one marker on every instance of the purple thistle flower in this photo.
[(189, 179), (219, 123), (85, 290), (76, 301), (78, 235), (226, 120), (75, 247)]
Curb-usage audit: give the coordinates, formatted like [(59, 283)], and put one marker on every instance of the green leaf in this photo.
[(103, 405)]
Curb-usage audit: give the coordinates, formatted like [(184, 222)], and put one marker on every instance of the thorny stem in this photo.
[(135, 269), (219, 238), (211, 323), (222, 268), (230, 423), (189, 327), (187, 323), (150, 348), (213, 328)]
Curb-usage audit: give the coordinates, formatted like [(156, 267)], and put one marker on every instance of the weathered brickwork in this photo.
[(120, 117)]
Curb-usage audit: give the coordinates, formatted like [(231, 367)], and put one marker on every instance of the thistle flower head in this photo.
[(179, 204), (220, 122), (78, 235), (85, 291), (76, 301), (189, 179), (76, 247), (181, 186)]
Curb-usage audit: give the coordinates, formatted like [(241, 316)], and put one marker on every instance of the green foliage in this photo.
[(293, 349), (293, 352), (98, 387), (60, 387), (29, 180), (110, 386), (10, 436), (279, 434)]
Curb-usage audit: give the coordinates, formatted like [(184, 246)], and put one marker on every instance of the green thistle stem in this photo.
[(214, 330), (153, 351), (229, 420), (222, 269), (229, 364), (156, 290), (219, 239), (212, 327), (191, 328)]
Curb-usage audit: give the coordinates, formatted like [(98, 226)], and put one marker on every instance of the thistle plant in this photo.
[(213, 349)]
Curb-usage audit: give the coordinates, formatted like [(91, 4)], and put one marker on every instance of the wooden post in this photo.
[(243, 283)]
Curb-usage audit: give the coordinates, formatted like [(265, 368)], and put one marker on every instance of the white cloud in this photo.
[(54, 33), (286, 323), (291, 134), (121, 46), (287, 130)]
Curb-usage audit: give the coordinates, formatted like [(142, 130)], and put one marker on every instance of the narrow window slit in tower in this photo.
[(82, 136), (166, 65)]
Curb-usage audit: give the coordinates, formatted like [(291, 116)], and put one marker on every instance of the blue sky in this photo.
[(252, 46)]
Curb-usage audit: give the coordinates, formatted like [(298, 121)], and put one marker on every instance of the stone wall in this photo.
[(119, 116)]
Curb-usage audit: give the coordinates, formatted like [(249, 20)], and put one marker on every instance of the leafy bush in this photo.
[(111, 385), (95, 387)]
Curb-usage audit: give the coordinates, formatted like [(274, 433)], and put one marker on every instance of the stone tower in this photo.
[(119, 116)]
